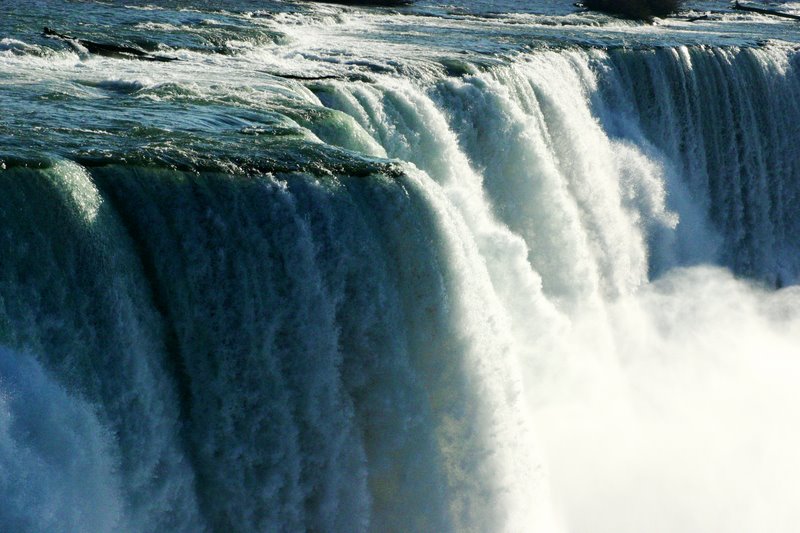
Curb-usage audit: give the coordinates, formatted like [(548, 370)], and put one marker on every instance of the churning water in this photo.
[(483, 267)]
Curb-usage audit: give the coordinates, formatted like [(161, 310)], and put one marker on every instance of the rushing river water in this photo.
[(475, 266)]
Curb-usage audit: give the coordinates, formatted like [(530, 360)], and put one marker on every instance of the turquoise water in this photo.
[(475, 266), (71, 102)]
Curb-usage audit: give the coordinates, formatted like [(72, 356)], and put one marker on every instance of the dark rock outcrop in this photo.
[(374, 3), (635, 9), (106, 49)]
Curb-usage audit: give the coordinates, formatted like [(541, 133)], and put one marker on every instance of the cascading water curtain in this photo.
[(528, 289)]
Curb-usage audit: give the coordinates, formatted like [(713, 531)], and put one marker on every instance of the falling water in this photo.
[(551, 292)]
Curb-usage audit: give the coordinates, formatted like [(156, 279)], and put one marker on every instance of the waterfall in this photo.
[(555, 293)]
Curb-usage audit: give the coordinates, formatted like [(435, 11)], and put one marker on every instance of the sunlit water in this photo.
[(492, 266)]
